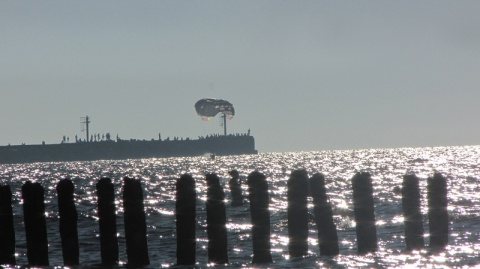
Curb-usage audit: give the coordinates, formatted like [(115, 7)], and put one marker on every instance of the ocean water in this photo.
[(387, 167)]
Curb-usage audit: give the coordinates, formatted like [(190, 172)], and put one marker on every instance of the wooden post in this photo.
[(7, 231), (216, 221), (297, 213), (135, 223), (185, 212), (107, 222), (411, 213), (363, 208), (259, 200), (35, 224), (68, 222), (437, 211), (327, 231), (235, 188)]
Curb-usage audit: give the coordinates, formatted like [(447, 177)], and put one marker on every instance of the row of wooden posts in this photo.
[(299, 187)]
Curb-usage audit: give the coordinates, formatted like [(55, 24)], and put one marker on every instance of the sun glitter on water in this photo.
[(387, 167)]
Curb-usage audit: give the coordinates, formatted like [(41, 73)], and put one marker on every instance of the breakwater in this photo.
[(129, 149), (300, 188)]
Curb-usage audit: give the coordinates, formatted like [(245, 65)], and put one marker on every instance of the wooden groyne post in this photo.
[(363, 208), (327, 231), (216, 221), (235, 188), (35, 224), (107, 222), (185, 212), (185, 208), (135, 223), (259, 202), (68, 222), (437, 211), (7, 231), (297, 213), (411, 213)]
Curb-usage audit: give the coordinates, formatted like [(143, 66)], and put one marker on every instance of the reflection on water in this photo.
[(387, 167)]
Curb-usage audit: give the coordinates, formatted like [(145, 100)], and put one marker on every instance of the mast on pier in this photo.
[(85, 126), (224, 124)]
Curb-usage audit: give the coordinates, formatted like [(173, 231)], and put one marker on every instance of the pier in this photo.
[(232, 144)]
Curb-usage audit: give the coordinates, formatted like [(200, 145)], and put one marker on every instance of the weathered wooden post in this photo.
[(437, 211), (235, 188), (68, 222), (412, 214), (7, 231), (185, 212), (35, 224), (327, 231), (259, 201), (107, 222), (363, 208), (216, 221), (297, 213), (135, 223)]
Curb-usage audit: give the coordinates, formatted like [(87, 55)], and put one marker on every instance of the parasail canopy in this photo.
[(209, 108)]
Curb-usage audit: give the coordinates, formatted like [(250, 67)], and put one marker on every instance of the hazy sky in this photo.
[(302, 75)]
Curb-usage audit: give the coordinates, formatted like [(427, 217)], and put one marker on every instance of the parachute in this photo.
[(208, 108)]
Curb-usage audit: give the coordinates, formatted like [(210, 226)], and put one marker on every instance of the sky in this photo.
[(302, 75)]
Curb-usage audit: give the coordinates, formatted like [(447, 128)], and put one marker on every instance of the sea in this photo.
[(460, 164)]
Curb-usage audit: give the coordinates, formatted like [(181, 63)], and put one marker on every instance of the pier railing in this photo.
[(300, 186)]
